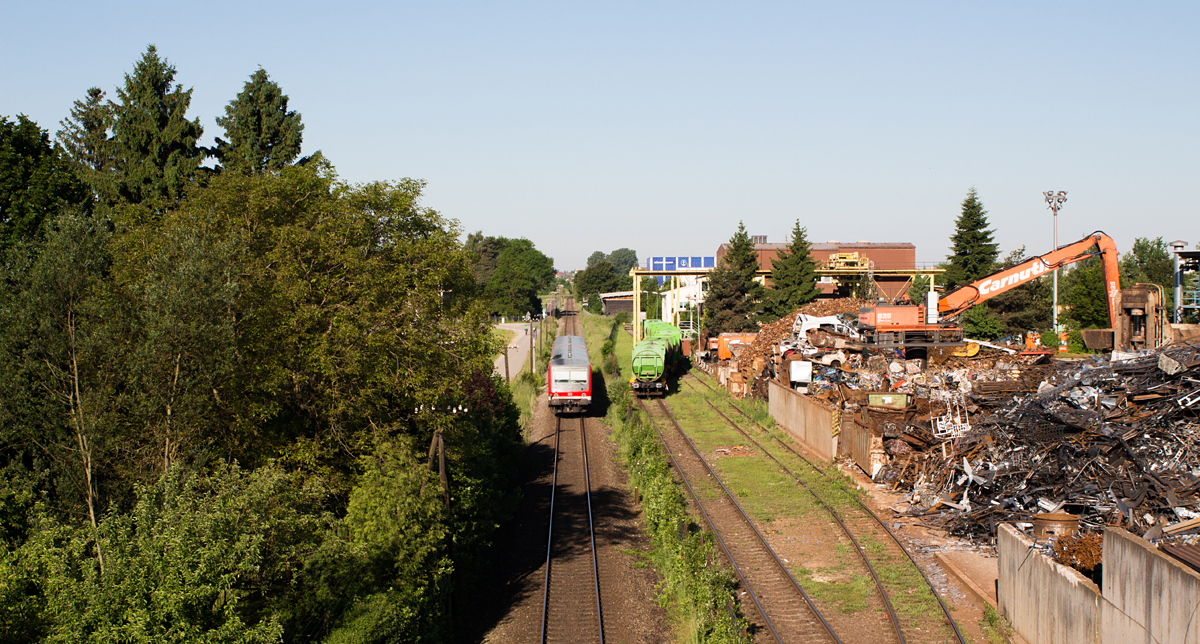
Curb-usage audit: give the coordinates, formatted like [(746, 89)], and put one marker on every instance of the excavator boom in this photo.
[(964, 297)]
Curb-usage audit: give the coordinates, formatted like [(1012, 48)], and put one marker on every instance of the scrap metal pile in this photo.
[(1115, 442), (767, 341)]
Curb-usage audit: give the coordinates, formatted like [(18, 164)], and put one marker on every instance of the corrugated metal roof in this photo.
[(1189, 555)]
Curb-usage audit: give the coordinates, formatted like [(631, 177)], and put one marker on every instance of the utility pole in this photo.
[(506, 378), (1054, 201)]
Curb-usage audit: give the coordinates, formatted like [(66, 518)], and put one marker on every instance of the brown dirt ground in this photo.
[(510, 611)]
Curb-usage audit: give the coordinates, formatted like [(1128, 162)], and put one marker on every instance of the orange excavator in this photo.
[(915, 329)]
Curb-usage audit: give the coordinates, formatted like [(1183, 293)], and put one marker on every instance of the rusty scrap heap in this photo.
[(1114, 442)]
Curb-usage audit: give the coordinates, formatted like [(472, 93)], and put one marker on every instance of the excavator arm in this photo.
[(964, 297)]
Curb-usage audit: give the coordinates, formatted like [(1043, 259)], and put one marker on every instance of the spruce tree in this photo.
[(154, 145), (85, 139), (793, 277), (732, 292), (742, 259), (973, 253), (262, 134)]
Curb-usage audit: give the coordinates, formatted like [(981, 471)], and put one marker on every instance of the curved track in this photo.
[(855, 520), (785, 611)]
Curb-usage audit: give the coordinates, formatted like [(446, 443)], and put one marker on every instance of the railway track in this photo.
[(571, 610), (784, 611), (860, 525)]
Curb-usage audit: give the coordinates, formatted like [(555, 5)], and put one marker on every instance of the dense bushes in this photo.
[(695, 586)]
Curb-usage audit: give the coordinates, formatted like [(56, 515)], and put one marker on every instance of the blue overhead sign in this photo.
[(678, 262)]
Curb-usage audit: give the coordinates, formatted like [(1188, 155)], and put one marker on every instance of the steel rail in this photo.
[(845, 530), (591, 534), (550, 534), (808, 600), (942, 604), (591, 527), (737, 570)]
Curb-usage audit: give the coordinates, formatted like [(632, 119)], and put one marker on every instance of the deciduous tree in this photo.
[(1148, 262), (36, 182)]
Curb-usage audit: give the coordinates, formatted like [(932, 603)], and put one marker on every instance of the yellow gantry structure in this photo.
[(638, 273)]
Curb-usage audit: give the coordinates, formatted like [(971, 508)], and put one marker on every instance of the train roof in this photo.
[(569, 351)]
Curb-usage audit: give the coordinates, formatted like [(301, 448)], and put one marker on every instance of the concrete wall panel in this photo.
[(1158, 596), (805, 419), (1046, 602)]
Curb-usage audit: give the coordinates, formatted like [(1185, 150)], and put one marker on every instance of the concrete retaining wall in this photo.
[(1149, 596), (805, 419), (1046, 602)]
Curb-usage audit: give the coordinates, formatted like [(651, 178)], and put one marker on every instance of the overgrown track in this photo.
[(571, 610), (860, 525), (784, 610)]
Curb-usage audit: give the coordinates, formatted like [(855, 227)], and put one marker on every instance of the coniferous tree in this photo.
[(973, 252), (732, 292), (262, 134), (85, 137), (793, 277), (154, 145)]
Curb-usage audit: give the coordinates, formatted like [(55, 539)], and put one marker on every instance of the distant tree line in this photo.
[(605, 273), (222, 389), (511, 272), (736, 302)]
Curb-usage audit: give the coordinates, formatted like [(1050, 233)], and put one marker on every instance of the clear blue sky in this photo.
[(657, 126)]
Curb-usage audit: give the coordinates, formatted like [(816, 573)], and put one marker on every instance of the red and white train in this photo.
[(569, 375)]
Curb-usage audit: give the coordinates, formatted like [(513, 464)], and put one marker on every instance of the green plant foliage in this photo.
[(154, 147), (793, 278), (1050, 339), (733, 294), (262, 133), (1083, 294), (85, 140), (36, 181), (697, 590), (198, 558), (1148, 262), (973, 253), (1027, 306), (600, 277), (979, 323)]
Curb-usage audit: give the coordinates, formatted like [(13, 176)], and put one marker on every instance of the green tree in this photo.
[(486, 255), (793, 277), (727, 309), (58, 361), (979, 323), (651, 302), (1082, 293), (262, 134), (35, 181), (596, 257), (733, 293), (973, 254), (622, 260), (155, 151), (597, 278), (1026, 307), (1148, 262), (86, 138), (742, 258)]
